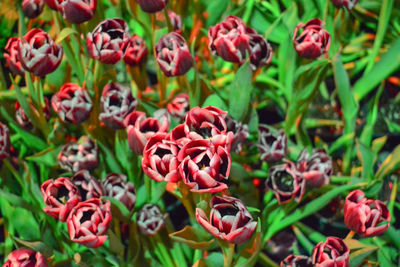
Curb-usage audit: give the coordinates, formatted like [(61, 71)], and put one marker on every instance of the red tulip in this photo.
[(175, 20), (240, 133), (89, 221), (316, 169), (11, 56), (117, 186), (332, 252), (179, 106), (206, 122), (349, 4), (53, 4), (23, 120), (173, 55), (117, 102), (72, 103), (365, 216), (152, 6), (77, 11), (136, 51), (260, 50), (60, 196), (5, 143), (38, 53), (229, 220), (150, 219), (32, 8), (313, 41), (25, 257), (297, 261), (271, 146), (87, 185)]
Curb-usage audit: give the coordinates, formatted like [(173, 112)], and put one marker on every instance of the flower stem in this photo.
[(266, 261), (350, 235), (228, 257)]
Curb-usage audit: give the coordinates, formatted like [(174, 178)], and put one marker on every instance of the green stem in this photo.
[(228, 257), (168, 21), (166, 257), (266, 261), (14, 173)]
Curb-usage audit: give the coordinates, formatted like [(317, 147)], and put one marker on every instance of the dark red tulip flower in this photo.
[(88, 222), (229, 220), (175, 20), (87, 185), (204, 166), (108, 41), (60, 196), (313, 41), (271, 146), (81, 155), (260, 50), (117, 186), (25, 257), (152, 6), (136, 51), (206, 122), (38, 53), (179, 106), (117, 102), (150, 219), (365, 216), (11, 56), (72, 103), (23, 120), (286, 182), (332, 252), (160, 159), (32, 8), (349, 4), (240, 133), (77, 11), (229, 40), (297, 261), (173, 55), (53, 4), (140, 129), (5, 143), (316, 168)]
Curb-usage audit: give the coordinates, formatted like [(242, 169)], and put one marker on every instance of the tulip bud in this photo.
[(25, 257), (271, 146), (316, 169), (260, 50), (240, 131), (136, 51), (207, 122), (108, 41), (23, 120), (32, 8), (286, 182), (88, 222), (53, 4), (313, 41), (349, 4), (77, 156), (152, 6), (297, 261), (72, 103), (77, 11), (87, 185), (365, 216), (4, 141), (150, 219), (60, 196), (173, 55), (11, 56), (179, 106), (175, 20), (332, 252), (38, 53), (117, 102), (229, 220), (116, 186)]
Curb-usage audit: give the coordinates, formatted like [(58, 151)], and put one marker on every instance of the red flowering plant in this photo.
[(199, 133)]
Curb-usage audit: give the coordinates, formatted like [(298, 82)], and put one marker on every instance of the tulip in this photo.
[(316, 169), (365, 216), (117, 186), (229, 220), (32, 8), (38, 53), (77, 11), (271, 146), (150, 219), (152, 6), (25, 257), (87, 185), (173, 55), (117, 102), (204, 166), (77, 156), (240, 133), (72, 103), (207, 122), (297, 261), (108, 41), (313, 41), (60, 196), (136, 51), (175, 20), (349, 4), (140, 129), (160, 160), (23, 120), (5, 143), (332, 252), (286, 183), (11, 56), (89, 221), (229, 40), (179, 106), (53, 4), (260, 50)]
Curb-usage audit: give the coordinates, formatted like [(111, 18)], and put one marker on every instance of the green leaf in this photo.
[(29, 139), (240, 93), (303, 240), (358, 256), (367, 158), (110, 159), (191, 237), (64, 34), (391, 164), (215, 101), (46, 157), (118, 209), (215, 10), (25, 224)]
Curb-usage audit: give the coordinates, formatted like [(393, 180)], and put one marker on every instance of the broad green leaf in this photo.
[(303, 240), (215, 10), (215, 101), (46, 157), (358, 256), (367, 158), (391, 163), (110, 159), (29, 139), (64, 34), (240, 93), (25, 224), (191, 237)]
